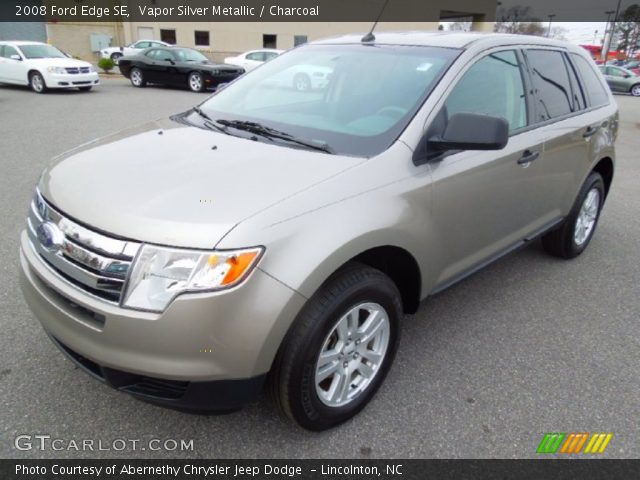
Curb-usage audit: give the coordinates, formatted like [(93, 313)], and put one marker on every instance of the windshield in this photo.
[(41, 51), (355, 99), (188, 55)]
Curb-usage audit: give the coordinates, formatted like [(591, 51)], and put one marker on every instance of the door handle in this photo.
[(527, 157), (590, 131)]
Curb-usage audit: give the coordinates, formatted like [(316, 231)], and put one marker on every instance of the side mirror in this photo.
[(170, 60), (464, 131), (16, 57)]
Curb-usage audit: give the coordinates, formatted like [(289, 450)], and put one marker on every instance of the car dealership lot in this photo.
[(530, 345)]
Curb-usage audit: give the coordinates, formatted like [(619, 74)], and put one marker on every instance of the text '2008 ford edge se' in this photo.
[(275, 236)]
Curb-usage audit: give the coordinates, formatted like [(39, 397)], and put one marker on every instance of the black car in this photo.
[(176, 66)]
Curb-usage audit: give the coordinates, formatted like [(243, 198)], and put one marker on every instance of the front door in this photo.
[(485, 201)]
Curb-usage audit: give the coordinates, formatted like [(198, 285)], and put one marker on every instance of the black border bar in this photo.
[(310, 10), (356, 469)]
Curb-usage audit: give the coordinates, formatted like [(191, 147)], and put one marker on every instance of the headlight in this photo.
[(159, 274), (58, 70)]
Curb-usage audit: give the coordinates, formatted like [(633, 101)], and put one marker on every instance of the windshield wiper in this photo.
[(209, 122), (271, 133)]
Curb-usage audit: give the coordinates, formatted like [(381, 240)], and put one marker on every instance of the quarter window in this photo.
[(492, 86), (593, 86), (554, 97)]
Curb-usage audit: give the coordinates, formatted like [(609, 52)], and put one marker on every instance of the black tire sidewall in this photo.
[(593, 180), (305, 404)]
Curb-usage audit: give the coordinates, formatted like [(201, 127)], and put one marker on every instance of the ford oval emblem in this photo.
[(50, 236)]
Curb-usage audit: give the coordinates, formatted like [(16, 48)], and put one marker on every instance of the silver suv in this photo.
[(275, 236)]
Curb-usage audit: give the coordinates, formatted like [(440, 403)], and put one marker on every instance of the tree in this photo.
[(518, 20), (629, 28)]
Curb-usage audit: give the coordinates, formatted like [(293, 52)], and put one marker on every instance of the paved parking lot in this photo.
[(530, 345)]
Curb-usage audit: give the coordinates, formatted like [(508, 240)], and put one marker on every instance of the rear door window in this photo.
[(552, 86)]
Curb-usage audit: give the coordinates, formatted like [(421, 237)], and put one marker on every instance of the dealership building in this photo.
[(221, 39)]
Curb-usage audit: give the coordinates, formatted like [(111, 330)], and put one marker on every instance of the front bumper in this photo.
[(203, 338), (54, 80)]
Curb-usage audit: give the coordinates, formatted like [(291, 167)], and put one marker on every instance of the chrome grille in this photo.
[(93, 262), (77, 70)]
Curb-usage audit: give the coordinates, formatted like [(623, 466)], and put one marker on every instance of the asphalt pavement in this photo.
[(530, 345)]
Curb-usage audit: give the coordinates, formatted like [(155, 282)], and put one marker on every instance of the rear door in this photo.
[(12, 70), (559, 117)]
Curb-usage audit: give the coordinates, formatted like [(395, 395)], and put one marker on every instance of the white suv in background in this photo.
[(43, 66), (114, 53)]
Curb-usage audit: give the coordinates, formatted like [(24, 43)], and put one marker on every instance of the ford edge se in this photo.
[(274, 237)]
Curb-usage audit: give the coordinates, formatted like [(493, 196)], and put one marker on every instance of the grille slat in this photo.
[(77, 70), (91, 261)]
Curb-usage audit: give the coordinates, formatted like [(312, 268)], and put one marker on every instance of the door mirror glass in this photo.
[(471, 131)]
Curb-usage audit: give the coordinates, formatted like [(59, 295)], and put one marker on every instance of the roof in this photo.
[(445, 39)]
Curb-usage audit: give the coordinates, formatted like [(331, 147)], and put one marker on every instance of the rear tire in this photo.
[(635, 90), (339, 350), (37, 83), (573, 236), (137, 78)]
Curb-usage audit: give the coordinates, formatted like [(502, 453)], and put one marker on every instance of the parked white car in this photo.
[(43, 66), (114, 53), (254, 58)]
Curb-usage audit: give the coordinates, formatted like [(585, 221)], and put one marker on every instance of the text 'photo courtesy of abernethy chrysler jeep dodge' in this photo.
[(274, 237)]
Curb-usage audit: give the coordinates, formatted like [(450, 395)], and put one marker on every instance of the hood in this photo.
[(59, 62), (220, 66), (178, 185)]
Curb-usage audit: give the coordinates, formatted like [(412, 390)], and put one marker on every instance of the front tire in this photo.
[(195, 82), (116, 57), (37, 83), (137, 78), (339, 350), (85, 89), (575, 233)]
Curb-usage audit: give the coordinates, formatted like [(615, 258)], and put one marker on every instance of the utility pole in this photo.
[(550, 19), (607, 39)]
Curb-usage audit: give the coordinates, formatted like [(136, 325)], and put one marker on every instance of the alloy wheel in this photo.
[(195, 82), (587, 217), (37, 82), (352, 354)]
